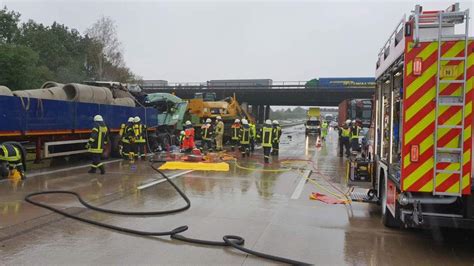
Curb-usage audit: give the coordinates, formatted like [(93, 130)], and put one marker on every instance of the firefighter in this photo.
[(139, 130), (12, 160), (124, 137), (206, 136), (276, 134), (253, 136), (265, 136), (324, 130), (181, 139), (354, 136), (188, 142), (235, 134), (219, 133), (245, 138), (344, 138), (97, 141)]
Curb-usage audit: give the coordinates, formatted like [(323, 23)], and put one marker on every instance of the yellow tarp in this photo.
[(177, 165)]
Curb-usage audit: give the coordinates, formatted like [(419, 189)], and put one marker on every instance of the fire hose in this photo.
[(233, 241)]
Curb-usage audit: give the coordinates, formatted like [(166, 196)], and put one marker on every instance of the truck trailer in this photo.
[(54, 128), (355, 109), (422, 131)]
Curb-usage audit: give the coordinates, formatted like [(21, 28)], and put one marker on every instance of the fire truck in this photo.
[(422, 132)]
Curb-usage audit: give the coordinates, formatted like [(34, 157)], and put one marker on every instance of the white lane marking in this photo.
[(163, 180), (68, 169), (299, 188)]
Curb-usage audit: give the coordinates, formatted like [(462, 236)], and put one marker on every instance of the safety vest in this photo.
[(276, 134), (345, 132), (139, 130), (98, 138), (206, 132), (245, 135), (235, 131), (267, 137), (324, 125), (355, 132), (253, 131), (9, 153)]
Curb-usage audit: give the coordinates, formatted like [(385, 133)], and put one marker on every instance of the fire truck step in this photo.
[(362, 197)]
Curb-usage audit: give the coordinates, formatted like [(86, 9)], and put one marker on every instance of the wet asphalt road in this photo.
[(269, 209)]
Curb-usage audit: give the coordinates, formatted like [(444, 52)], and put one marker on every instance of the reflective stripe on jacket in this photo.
[(267, 136), (245, 135), (9, 153)]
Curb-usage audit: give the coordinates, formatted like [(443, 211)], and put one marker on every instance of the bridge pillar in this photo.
[(254, 109), (261, 114), (267, 112)]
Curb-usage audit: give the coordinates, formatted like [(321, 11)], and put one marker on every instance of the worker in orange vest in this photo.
[(188, 142)]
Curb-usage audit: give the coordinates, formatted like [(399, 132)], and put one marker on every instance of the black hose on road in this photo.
[(236, 242)]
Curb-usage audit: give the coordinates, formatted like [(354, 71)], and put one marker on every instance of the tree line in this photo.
[(32, 53)]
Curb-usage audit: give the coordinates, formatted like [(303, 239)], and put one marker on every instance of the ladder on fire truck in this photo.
[(451, 154)]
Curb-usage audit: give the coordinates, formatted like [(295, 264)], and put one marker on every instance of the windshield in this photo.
[(313, 123)]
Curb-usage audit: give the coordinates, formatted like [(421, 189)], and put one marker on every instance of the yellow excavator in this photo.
[(205, 105)]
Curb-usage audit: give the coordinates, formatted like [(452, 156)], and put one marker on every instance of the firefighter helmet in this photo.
[(268, 122), (237, 120), (245, 122), (136, 119), (275, 122), (208, 120), (98, 118), (188, 123), (131, 119)]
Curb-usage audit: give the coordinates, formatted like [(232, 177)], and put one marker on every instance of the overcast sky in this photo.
[(199, 41)]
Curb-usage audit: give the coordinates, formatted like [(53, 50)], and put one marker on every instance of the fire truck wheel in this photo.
[(387, 218)]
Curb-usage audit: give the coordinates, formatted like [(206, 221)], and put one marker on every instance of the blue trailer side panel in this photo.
[(45, 115), (51, 115), (11, 114)]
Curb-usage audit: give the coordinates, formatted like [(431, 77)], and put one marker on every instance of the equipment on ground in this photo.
[(421, 137), (352, 109)]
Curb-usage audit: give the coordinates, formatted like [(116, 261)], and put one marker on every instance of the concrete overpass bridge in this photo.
[(259, 99)]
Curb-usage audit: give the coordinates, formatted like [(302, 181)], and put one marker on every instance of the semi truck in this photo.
[(313, 122), (422, 132), (353, 109), (53, 128)]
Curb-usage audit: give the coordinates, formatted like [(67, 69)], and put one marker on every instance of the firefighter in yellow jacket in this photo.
[(253, 136), (265, 136), (12, 160), (124, 134), (276, 134), (140, 137), (206, 136), (96, 143), (219, 134), (245, 136)]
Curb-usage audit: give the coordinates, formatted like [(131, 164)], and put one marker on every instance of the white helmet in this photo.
[(268, 122), (182, 132), (245, 122), (348, 121), (208, 120), (275, 122), (353, 121), (237, 120), (219, 117), (131, 119), (188, 123), (136, 119), (98, 118)]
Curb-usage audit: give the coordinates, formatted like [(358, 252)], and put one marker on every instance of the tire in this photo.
[(387, 218)]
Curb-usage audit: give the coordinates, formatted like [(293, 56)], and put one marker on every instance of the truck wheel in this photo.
[(387, 218), (164, 140)]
